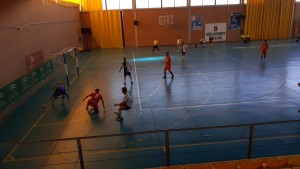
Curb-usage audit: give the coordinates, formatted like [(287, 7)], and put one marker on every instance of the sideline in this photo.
[(137, 84)]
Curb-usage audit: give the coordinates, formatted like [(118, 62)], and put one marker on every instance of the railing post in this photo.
[(250, 141), (80, 153), (167, 147), (76, 55)]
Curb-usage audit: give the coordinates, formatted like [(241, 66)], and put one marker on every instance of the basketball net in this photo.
[(166, 23)]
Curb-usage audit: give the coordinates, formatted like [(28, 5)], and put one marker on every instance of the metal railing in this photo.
[(157, 144)]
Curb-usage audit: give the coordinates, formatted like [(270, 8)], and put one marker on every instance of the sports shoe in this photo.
[(119, 118), (298, 84), (299, 110), (125, 83), (172, 77), (131, 82), (91, 111), (96, 112), (164, 77)]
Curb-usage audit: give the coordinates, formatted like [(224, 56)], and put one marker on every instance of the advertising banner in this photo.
[(197, 22), (3, 99), (215, 30), (11, 92), (34, 60), (235, 21)]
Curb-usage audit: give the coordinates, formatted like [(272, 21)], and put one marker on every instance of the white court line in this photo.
[(42, 116), (142, 52), (250, 65), (219, 104), (291, 81), (137, 83), (281, 45), (23, 138), (257, 68)]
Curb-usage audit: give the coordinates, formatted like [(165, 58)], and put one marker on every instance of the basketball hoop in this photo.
[(165, 20)]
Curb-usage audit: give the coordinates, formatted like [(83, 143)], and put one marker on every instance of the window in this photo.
[(233, 2), (173, 3), (208, 2), (227, 2), (154, 3), (221, 2), (196, 2), (151, 3), (104, 5), (112, 4), (180, 3), (125, 4), (116, 4), (168, 3), (142, 4)]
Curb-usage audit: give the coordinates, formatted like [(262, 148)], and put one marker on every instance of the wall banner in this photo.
[(216, 30), (197, 22), (14, 90), (3, 99), (34, 60), (235, 21)]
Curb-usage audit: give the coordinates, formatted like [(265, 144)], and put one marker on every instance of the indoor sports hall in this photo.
[(226, 107)]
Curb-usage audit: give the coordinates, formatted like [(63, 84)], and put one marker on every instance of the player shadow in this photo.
[(126, 124), (168, 87), (183, 64), (100, 115), (124, 128), (263, 65), (130, 90), (95, 118), (62, 109)]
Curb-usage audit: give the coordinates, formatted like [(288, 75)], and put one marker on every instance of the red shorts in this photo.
[(263, 52), (93, 104), (168, 67)]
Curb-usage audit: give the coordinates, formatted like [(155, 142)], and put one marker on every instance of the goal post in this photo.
[(65, 57)]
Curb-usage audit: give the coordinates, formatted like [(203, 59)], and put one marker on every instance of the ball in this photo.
[(10, 158)]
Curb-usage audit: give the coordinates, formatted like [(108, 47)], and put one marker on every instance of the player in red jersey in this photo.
[(94, 100), (263, 49), (168, 65)]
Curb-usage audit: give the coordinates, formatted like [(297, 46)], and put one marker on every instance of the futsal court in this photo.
[(226, 84)]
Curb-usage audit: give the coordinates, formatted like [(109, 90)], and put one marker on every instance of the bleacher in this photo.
[(278, 162)]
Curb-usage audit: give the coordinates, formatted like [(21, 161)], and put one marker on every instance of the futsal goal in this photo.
[(65, 62)]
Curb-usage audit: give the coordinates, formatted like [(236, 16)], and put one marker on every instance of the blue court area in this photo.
[(226, 85)]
